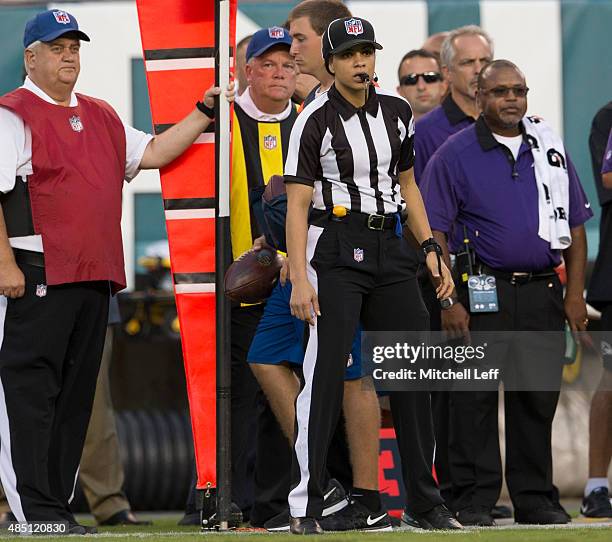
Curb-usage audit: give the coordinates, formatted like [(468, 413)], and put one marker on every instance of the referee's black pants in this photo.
[(476, 472), (364, 274), (440, 399), (51, 347)]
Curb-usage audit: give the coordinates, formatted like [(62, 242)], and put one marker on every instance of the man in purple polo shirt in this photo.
[(465, 51), (482, 184)]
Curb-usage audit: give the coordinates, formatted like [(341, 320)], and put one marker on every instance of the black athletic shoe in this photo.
[(305, 526), (476, 516), (334, 500), (597, 504), (437, 519), (279, 523), (500, 511), (409, 521), (356, 517), (75, 528), (544, 512)]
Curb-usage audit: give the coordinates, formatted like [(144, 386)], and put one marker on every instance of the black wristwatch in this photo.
[(208, 111), (431, 245)]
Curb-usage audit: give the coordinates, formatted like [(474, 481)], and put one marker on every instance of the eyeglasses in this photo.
[(413, 78), (503, 92)]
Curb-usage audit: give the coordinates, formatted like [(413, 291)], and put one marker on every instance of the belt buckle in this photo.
[(520, 278), (376, 222)]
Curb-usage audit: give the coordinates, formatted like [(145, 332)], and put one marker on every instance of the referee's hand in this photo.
[(442, 276), (304, 301), (12, 281)]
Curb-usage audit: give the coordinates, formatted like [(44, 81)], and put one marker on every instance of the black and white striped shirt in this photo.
[(352, 157)]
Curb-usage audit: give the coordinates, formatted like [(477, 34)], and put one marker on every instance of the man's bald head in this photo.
[(490, 71), (433, 43)]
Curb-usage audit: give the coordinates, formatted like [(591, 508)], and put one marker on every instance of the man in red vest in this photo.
[(63, 160)]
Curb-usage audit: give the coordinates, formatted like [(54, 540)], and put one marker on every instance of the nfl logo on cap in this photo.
[(354, 27), (276, 32), (61, 17)]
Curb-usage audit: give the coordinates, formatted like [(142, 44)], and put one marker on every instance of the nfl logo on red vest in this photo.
[(353, 26), (76, 124), (276, 32), (269, 142), (61, 17)]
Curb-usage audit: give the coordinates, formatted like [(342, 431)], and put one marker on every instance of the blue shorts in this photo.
[(280, 336)]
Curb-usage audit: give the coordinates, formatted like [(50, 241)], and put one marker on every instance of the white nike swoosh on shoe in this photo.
[(371, 521), (328, 494)]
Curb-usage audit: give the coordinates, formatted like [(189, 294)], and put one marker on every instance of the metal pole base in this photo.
[(206, 502)]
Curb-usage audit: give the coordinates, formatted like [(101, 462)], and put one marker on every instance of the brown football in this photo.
[(251, 278), (275, 187)]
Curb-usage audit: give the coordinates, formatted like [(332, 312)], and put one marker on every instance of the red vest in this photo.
[(78, 160)]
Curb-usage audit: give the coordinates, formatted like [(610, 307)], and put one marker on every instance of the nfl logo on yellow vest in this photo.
[(269, 142)]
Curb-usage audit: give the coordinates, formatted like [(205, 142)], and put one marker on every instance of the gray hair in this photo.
[(447, 52), (32, 47)]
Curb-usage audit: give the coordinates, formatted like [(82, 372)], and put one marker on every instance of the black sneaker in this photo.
[(334, 500), (305, 525), (76, 528), (476, 516), (279, 523), (408, 520), (597, 504), (356, 517), (437, 519), (500, 511)]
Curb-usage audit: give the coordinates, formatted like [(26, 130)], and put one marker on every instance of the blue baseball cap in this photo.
[(265, 38), (50, 25)]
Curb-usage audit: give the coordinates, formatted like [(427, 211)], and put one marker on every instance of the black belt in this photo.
[(518, 277), (372, 222), (29, 257)]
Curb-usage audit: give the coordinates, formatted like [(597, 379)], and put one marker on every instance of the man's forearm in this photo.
[(575, 262), (167, 146), (6, 252), (297, 231)]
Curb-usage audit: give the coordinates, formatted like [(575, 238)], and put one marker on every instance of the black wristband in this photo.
[(208, 111), (431, 245)]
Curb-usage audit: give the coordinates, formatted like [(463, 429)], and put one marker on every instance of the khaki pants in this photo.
[(101, 471)]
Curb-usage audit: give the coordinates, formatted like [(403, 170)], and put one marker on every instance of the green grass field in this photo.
[(165, 528)]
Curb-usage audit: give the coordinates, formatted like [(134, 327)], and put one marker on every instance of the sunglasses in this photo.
[(413, 78), (503, 92)]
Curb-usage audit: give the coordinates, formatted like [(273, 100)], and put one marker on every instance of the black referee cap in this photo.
[(343, 34)]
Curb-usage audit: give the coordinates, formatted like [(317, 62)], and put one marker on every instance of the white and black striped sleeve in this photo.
[(303, 163), (406, 128)]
